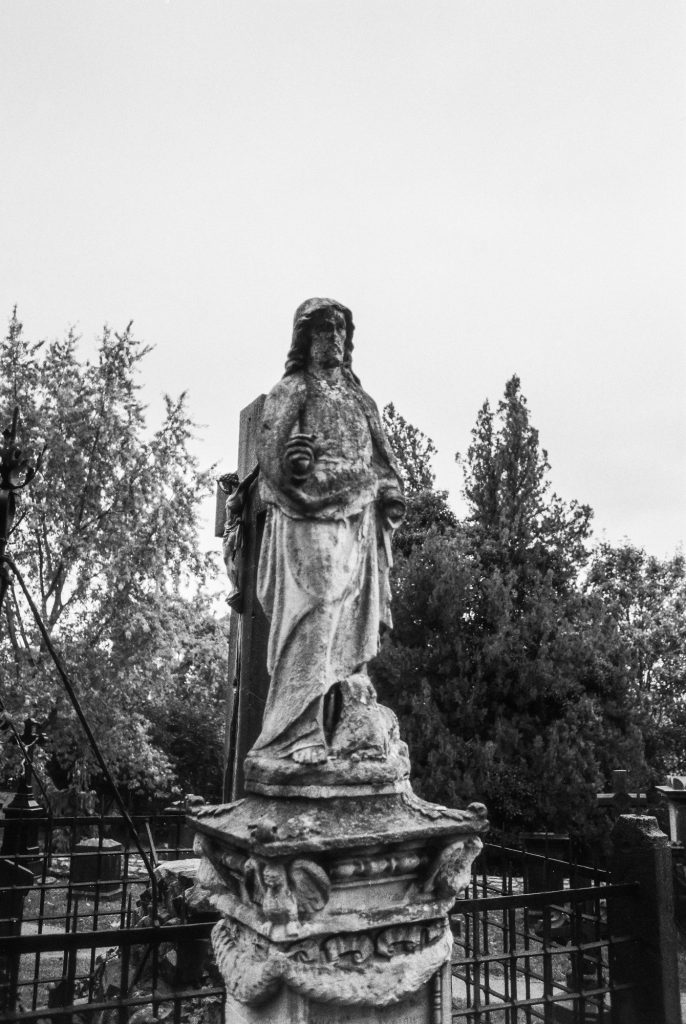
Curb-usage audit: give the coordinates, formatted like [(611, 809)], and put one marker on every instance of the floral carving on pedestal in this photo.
[(369, 968)]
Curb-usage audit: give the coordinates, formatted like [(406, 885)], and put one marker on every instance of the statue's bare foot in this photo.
[(310, 755)]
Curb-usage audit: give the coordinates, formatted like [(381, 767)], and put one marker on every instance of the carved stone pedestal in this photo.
[(334, 905), (332, 879)]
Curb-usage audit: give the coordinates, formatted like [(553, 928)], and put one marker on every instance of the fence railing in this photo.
[(525, 952), (87, 935)]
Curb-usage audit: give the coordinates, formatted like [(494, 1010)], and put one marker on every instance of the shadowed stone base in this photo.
[(336, 907), (289, 1006)]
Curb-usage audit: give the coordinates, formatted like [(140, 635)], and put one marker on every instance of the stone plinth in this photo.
[(334, 907), (96, 866)]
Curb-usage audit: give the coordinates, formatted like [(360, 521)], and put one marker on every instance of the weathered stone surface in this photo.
[(277, 828), (313, 867), (288, 1005), (332, 878), (333, 491), (96, 865), (340, 902), (269, 775), (349, 969)]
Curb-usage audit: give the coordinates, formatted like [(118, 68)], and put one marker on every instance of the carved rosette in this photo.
[(370, 968)]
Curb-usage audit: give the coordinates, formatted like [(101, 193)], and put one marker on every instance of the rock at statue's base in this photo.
[(335, 907)]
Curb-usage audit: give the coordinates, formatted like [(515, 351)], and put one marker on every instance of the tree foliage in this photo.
[(427, 508), (107, 539), (645, 598), (507, 676), (520, 527), (413, 450)]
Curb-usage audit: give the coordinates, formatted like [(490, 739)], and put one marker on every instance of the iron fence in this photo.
[(91, 934), (532, 941)]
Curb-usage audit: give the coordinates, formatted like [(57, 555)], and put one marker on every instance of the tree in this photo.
[(427, 508), (500, 667), (108, 542), (646, 600), (519, 525)]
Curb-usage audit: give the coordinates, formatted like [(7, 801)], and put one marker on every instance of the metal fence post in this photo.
[(15, 884), (641, 853)]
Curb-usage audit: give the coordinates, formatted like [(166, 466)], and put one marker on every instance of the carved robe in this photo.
[(323, 574)]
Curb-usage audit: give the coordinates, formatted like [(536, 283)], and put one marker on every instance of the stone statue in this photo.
[(334, 496), (332, 878)]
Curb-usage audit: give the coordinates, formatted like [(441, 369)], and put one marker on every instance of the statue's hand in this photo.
[(299, 456), (392, 509)]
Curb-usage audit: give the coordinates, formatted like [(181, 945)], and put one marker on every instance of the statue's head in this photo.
[(306, 317)]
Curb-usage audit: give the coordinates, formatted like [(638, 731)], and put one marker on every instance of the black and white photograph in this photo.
[(342, 511)]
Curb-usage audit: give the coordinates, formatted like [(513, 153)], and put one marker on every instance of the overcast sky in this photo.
[(492, 187)]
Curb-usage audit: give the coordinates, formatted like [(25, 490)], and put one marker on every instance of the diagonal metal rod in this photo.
[(6, 560)]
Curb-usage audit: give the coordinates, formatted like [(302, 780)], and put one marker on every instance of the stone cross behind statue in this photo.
[(240, 522)]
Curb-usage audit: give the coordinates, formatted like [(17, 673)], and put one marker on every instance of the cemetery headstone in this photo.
[(674, 790), (95, 866)]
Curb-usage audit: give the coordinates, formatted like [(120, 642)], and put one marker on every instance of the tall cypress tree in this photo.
[(500, 667)]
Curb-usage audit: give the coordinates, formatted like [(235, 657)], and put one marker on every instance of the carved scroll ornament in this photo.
[(352, 969)]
